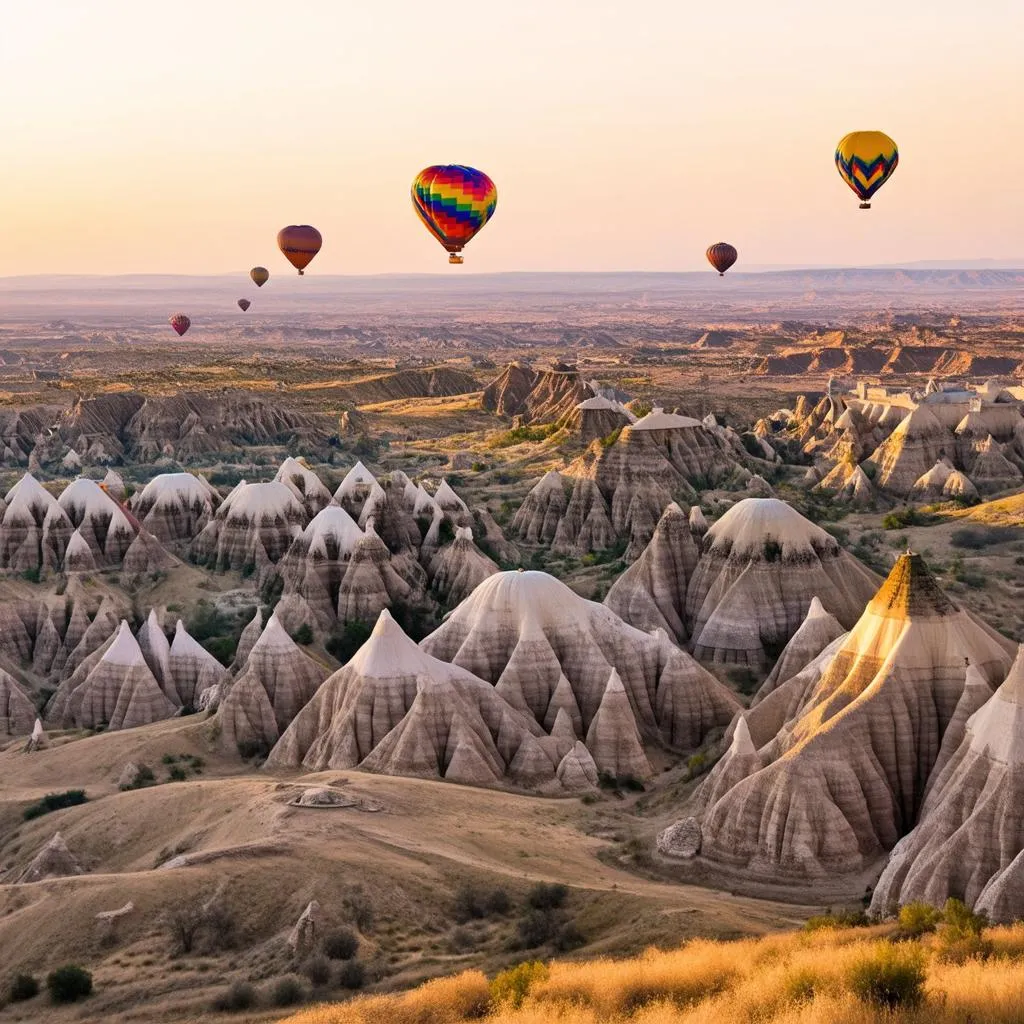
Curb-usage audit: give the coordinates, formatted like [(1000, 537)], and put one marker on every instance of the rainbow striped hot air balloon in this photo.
[(454, 202), (866, 161)]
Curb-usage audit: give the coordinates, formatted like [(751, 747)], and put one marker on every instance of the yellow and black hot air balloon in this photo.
[(722, 256), (866, 161), (260, 276)]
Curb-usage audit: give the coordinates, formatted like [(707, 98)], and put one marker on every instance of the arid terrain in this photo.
[(689, 595)]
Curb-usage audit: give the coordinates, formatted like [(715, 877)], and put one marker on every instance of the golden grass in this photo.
[(796, 978)]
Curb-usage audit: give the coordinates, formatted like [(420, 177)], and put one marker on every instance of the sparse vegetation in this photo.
[(520, 435), (235, 998), (287, 991), (54, 802), (341, 945), (22, 988), (840, 975), (69, 983)]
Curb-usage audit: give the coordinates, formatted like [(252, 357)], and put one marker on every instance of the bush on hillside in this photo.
[(352, 975), (55, 802), (237, 997), (890, 977), (23, 987), (287, 992), (511, 987), (917, 919), (342, 944), (69, 983)]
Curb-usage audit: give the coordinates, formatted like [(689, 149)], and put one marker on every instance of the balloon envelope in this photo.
[(244, 304), (865, 161), (299, 243), (454, 202), (180, 323), (260, 276), (722, 256)]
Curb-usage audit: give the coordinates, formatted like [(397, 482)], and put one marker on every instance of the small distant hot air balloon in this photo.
[(244, 304), (299, 243), (722, 256), (260, 276), (866, 161), (454, 202), (180, 323)]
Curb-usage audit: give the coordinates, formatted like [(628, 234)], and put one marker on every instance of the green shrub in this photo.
[(69, 983), (343, 643), (547, 896), (303, 635), (352, 975), (696, 764), (287, 992), (143, 777), (960, 938), (23, 987), (917, 919), (844, 919), (55, 802), (342, 944), (317, 969), (903, 517), (511, 987), (891, 977), (535, 928), (239, 996), (519, 435), (222, 648), (569, 937)]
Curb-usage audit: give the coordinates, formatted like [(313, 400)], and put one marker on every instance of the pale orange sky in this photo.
[(178, 138)]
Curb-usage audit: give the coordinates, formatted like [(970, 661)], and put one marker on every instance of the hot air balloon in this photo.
[(180, 323), (454, 202), (260, 276), (866, 161), (299, 243), (722, 256), (244, 304)]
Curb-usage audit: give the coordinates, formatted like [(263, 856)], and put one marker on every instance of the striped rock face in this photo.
[(970, 839), (846, 747)]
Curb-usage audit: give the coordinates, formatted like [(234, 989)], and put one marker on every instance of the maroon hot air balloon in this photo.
[(244, 304), (180, 323), (299, 243), (722, 256)]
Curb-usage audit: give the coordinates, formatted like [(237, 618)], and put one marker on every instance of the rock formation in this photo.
[(54, 860), (315, 564), (307, 486), (354, 489), (98, 521), (655, 461), (969, 843), (194, 669), (253, 528), (525, 631), (910, 451), (535, 396), (277, 682), (397, 710), (761, 566), (175, 508), (120, 692), (651, 593), (816, 632), (598, 417), (613, 739), (458, 568), (854, 744), (372, 583), (17, 712), (537, 519), (34, 529)]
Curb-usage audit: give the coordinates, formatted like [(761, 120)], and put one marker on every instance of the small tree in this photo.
[(341, 945), (184, 922), (69, 983), (890, 977), (23, 986)]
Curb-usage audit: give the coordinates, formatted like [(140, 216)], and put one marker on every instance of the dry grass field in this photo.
[(841, 976)]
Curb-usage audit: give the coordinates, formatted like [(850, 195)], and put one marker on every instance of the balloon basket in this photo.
[(302, 273), (865, 206), (455, 258)]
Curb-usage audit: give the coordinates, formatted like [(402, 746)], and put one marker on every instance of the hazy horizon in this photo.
[(179, 140)]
